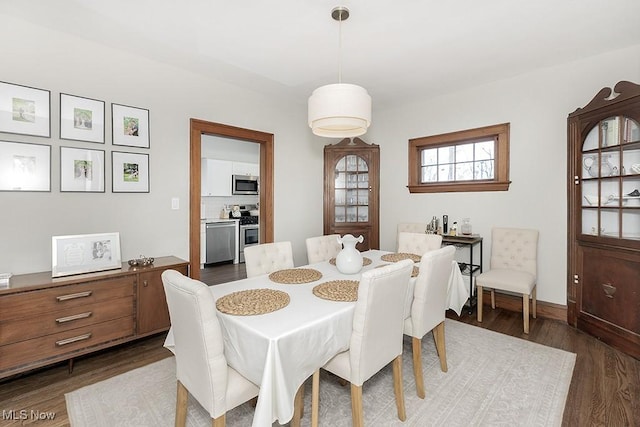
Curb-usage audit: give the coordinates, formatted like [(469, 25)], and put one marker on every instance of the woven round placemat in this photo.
[(294, 276), (400, 256), (337, 290), (414, 272), (365, 261), (252, 301)]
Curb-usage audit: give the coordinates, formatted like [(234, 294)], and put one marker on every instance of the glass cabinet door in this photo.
[(611, 179), (351, 189)]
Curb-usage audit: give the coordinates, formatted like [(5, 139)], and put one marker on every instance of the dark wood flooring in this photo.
[(605, 389)]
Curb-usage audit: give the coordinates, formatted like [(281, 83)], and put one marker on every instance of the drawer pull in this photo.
[(608, 290), (74, 317), (73, 339), (74, 296)]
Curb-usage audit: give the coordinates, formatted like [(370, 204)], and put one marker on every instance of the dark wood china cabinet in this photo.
[(603, 294), (351, 190)]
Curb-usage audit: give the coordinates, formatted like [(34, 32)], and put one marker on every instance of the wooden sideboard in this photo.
[(45, 320)]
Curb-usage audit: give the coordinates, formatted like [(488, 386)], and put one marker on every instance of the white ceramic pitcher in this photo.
[(349, 259)]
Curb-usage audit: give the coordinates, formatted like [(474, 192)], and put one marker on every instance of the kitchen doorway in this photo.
[(201, 127)]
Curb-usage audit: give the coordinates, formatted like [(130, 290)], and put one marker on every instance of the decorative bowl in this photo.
[(146, 261), (141, 262)]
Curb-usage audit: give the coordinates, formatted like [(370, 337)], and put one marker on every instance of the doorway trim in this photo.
[(201, 127)]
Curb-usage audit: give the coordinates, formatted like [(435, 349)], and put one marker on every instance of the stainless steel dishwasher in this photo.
[(221, 241)]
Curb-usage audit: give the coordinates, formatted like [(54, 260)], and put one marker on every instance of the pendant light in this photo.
[(339, 110)]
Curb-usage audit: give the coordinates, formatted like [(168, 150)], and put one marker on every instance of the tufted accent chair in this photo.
[(514, 266), (322, 248), (418, 243), (267, 258)]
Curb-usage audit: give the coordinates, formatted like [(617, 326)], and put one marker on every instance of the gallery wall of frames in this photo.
[(27, 166)]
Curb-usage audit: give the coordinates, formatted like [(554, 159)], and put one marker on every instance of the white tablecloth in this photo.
[(278, 351)]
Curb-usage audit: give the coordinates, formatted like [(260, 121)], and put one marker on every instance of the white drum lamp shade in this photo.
[(339, 110)]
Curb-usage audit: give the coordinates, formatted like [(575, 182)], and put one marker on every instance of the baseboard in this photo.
[(547, 310)]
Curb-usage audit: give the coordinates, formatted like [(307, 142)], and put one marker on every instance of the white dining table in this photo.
[(278, 351)]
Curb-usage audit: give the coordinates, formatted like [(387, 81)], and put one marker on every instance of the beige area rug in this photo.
[(493, 379)]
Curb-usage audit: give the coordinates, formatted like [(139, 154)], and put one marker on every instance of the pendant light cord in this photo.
[(340, 49)]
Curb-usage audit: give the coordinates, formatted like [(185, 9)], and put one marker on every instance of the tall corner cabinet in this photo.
[(351, 190), (603, 277)]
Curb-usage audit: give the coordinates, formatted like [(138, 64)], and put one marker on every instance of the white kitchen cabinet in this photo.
[(242, 168), (216, 177)]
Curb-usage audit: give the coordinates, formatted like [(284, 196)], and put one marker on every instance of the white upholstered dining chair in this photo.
[(322, 248), (412, 227), (267, 258), (514, 266), (201, 367), (409, 227), (418, 243), (429, 307), (376, 337)]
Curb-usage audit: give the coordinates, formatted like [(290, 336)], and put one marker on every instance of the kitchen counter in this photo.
[(205, 220)]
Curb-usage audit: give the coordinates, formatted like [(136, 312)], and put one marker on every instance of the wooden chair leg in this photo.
[(533, 303), (479, 308), (493, 299), (315, 398), (356, 406), (298, 405), (438, 338), (220, 421), (416, 350), (181, 405), (397, 387), (525, 312)]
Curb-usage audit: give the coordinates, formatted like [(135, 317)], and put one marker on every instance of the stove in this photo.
[(248, 219), (245, 216), (249, 229)]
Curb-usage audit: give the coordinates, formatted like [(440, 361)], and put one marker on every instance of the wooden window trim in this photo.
[(500, 183)]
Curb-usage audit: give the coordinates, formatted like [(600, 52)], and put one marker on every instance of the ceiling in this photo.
[(399, 51)]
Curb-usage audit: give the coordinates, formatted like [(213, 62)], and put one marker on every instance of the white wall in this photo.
[(58, 62), (536, 105)]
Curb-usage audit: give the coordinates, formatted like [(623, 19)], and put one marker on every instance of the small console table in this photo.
[(472, 268)]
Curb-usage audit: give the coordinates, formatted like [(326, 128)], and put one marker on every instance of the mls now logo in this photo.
[(23, 414)]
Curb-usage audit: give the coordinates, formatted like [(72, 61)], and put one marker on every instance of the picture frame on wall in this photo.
[(130, 126), (25, 110), (81, 119), (25, 166), (81, 170), (130, 172), (84, 253)]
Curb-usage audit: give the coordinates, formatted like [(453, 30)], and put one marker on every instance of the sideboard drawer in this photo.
[(35, 303), (37, 349), (59, 321)]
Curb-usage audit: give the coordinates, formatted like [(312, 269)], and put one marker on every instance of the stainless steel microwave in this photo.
[(244, 184)]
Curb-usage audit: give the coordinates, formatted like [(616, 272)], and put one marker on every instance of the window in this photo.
[(468, 160)]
